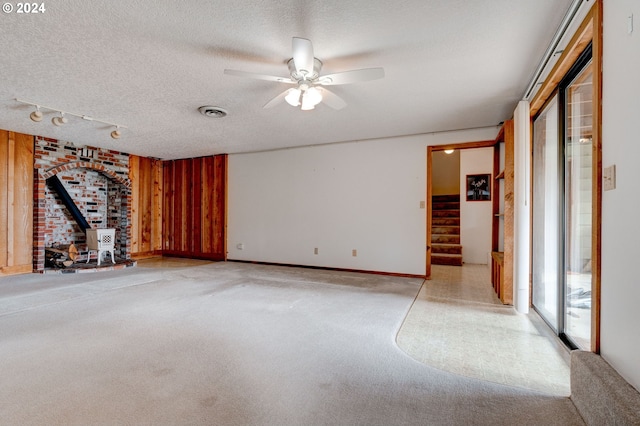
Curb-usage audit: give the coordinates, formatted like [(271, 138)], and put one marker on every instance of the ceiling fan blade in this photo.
[(332, 100), (354, 76), (259, 76), (302, 55), (277, 100)]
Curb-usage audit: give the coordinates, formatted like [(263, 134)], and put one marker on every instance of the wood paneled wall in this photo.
[(16, 203), (194, 207), (145, 175), (178, 207)]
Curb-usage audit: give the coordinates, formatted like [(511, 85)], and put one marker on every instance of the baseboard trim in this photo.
[(16, 270), (146, 254), (326, 268), (217, 257)]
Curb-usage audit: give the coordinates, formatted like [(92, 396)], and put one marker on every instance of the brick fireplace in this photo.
[(97, 182)]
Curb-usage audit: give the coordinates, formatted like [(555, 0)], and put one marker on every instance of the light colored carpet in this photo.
[(232, 344), (458, 324)]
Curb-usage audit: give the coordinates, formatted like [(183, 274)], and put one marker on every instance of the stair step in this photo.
[(446, 230), (446, 249), (445, 206), (445, 221), (446, 198), (445, 239), (446, 259), (445, 213)]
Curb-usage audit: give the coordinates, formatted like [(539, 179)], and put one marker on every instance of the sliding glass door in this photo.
[(578, 177), (546, 215), (562, 207)]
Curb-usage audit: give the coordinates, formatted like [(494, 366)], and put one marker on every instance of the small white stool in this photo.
[(101, 240)]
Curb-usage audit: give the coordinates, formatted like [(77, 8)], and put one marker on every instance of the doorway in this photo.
[(430, 195)]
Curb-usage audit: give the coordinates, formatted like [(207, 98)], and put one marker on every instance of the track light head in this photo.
[(36, 115), (59, 121), (116, 133)]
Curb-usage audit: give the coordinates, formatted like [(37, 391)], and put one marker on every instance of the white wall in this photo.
[(445, 173), (475, 216), (360, 195), (620, 337), (365, 195)]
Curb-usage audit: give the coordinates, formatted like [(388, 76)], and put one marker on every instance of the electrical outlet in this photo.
[(240, 246), (354, 252), (315, 250), (609, 178)]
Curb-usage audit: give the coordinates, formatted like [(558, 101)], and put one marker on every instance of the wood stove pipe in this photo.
[(56, 185)]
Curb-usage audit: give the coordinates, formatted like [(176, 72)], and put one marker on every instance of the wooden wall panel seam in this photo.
[(16, 203)]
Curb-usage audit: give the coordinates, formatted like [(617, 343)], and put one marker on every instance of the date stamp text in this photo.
[(23, 8)]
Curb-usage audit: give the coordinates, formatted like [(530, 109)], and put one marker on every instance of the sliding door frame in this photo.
[(589, 33), (585, 60), (559, 325)]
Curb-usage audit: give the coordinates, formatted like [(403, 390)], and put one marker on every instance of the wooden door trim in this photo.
[(429, 212), (429, 192)]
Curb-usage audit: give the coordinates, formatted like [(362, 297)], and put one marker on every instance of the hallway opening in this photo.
[(458, 324)]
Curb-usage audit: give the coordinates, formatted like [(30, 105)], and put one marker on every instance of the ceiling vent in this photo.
[(212, 111)]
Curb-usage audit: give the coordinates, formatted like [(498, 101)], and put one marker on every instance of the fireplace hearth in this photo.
[(92, 181)]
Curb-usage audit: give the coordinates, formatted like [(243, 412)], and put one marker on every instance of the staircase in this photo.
[(445, 230)]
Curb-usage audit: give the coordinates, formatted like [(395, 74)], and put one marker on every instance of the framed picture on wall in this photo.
[(479, 187)]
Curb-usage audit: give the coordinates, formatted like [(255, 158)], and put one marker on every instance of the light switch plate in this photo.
[(609, 178)]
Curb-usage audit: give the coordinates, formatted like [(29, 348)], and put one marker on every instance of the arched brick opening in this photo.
[(115, 194), (86, 165)]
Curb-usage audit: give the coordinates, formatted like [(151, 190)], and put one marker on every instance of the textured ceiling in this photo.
[(148, 65)]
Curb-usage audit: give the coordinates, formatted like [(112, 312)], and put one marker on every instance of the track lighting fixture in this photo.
[(36, 115), (116, 133), (61, 120)]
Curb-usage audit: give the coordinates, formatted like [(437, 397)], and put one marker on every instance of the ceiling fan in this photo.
[(304, 70)]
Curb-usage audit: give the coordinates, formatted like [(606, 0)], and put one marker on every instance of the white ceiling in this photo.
[(148, 65)]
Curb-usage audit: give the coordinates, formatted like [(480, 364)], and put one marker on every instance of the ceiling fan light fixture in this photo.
[(304, 69), (293, 97), (307, 106), (313, 95), (311, 98)]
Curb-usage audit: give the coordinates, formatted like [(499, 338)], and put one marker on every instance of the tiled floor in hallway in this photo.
[(457, 324)]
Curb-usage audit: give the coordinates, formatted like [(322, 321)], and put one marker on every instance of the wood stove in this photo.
[(101, 241)]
